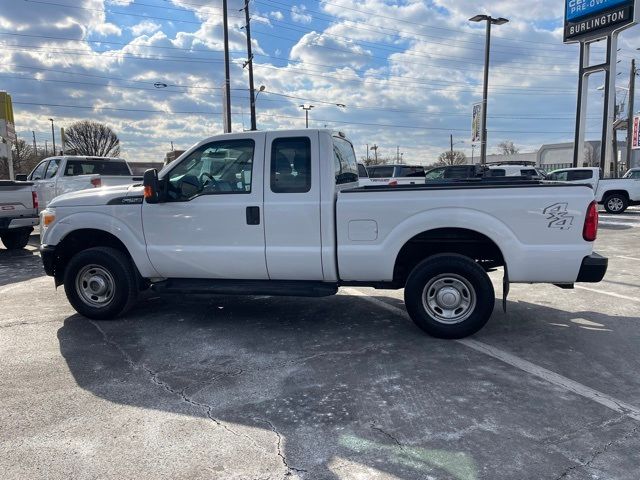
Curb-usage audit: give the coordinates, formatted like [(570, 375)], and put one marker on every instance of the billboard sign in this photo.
[(476, 123), (589, 19), (635, 138)]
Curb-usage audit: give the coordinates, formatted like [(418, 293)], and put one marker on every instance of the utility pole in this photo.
[(53, 136), (35, 145), (367, 154), (375, 151), (451, 142), (398, 154), (630, 106), (46, 148), (249, 63), (227, 81)]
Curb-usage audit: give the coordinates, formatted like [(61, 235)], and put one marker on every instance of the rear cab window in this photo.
[(381, 172), (93, 167), (574, 175), (291, 165), (411, 172)]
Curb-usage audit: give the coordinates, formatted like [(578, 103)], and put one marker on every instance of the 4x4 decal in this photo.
[(558, 216)]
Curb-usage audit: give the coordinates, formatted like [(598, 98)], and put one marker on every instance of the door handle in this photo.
[(253, 215)]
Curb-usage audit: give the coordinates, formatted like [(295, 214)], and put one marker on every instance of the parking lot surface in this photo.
[(337, 388)]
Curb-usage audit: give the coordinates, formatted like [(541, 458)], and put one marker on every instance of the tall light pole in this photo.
[(227, 80), (53, 136), (306, 109), (487, 47)]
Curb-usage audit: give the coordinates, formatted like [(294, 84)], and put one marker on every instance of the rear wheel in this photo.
[(100, 283), (616, 203), (449, 296), (16, 239)]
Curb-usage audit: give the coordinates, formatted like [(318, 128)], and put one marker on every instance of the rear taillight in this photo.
[(96, 182), (590, 230), (34, 198)]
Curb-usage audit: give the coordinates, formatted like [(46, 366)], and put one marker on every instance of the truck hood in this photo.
[(97, 196)]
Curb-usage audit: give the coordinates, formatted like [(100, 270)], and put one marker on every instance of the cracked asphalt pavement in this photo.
[(197, 387)]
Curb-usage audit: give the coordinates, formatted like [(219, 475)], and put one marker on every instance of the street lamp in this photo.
[(490, 21), (53, 136), (306, 109)]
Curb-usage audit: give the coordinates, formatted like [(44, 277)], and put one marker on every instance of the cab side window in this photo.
[(38, 172), (52, 169), (558, 176), (579, 175), (291, 165), (214, 168)]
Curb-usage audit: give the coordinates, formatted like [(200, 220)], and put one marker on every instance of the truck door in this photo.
[(212, 223), (47, 186), (36, 177), (292, 207)]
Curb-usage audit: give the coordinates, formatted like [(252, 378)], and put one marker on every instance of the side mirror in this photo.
[(151, 186), (21, 177)]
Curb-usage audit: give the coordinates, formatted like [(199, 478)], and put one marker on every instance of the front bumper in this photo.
[(48, 255), (593, 268)]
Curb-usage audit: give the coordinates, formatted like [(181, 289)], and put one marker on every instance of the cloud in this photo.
[(298, 14), (146, 27)]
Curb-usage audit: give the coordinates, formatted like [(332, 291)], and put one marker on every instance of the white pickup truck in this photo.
[(616, 194), (57, 175), (281, 213), (18, 213)]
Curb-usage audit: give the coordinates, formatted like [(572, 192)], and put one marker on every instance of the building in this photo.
[(172, 155)]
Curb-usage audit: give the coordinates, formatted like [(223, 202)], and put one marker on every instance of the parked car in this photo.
[(489, 170), (18, 213), (394, 175), (632, 173), (57, 175), (616, 194), (283, 214)]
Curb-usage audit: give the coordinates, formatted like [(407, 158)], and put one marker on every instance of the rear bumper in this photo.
[(19, 222), (48, 255), (593, 268)]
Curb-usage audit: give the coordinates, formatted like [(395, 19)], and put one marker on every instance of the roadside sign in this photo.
[(591, 19), (635, 139), (476, 122)]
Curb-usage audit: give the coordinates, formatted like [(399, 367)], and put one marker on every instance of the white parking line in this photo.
[(627, 258), (611, 294), (524, 365)]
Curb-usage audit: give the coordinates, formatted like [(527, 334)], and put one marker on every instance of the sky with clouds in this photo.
[(408, 71)]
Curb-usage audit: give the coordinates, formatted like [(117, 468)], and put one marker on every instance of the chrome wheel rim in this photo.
[(615, 204), (95, 286), (449, 298)]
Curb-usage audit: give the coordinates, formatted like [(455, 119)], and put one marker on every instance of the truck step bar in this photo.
[(284, 288)]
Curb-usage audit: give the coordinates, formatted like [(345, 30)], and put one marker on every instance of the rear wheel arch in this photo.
[(461, 241)]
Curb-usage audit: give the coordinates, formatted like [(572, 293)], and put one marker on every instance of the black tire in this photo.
[(109, 275), (616, 203), (468, 284), (17, 239)]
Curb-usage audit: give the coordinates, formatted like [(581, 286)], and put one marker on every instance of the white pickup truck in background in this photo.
[(57, 175), (281, 213), (393, 175), (616, 194), (18, 213)]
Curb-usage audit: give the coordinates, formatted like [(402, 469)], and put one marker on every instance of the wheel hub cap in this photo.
[(95, 286), (449, 298)]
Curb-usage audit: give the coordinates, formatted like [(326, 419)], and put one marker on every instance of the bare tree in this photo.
[(23, 157), (92, 139), (507, 147), (449, 157)]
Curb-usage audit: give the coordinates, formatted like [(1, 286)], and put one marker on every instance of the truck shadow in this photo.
[(20, 265), (330, 378)]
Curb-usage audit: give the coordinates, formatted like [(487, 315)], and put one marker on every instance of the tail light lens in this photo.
[(590, 230), (34, 198), (96, 182)]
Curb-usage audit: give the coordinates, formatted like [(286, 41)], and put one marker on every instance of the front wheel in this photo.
[(449, 296), (100, 283), (16, 239), (615, 203)]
